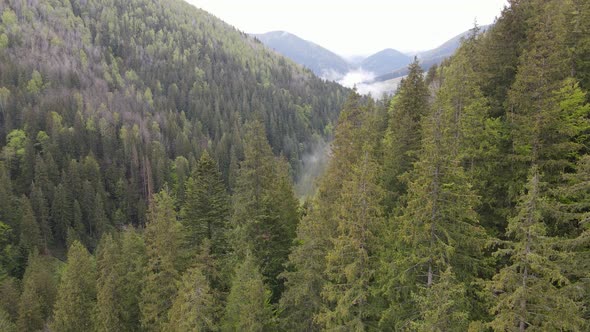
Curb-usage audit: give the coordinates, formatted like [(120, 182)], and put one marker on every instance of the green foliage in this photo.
[(76, 296), (38, 295), (350, 264), (5, 323), (305, 278), (35, 84), (30, 237), (530, 289), (248, 304), (206, 209), (193, 308), (265, 208), (162, 240), (402, 139)]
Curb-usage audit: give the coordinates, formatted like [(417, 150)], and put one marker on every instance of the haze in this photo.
[(359, 28)]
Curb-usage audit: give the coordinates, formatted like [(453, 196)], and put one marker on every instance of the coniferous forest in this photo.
[(148, 155)]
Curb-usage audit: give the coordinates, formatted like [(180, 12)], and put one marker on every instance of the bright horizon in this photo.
[(353, 28)]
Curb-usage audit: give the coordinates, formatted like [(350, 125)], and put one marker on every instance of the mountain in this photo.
[(137, 91), (431, 57), (321, 61), (385, 61)]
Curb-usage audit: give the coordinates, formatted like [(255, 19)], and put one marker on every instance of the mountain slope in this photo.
[(142, 88), (321, 61), (431, 57), (385, 61)]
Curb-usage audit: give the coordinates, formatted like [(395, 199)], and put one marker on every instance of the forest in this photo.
[(148, 155)]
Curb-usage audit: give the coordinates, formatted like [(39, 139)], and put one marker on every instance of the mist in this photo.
[(313, 166), (364, 82)]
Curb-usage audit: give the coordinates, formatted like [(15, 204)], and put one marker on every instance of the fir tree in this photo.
[(163, 243), (248, 305), (108, 286), (265, 209), (402, 138), (193, 308), (529, 289), (76, 297), (30, 237), (205, 213), (305, 278), (39, 293), (350, 265), (132, 262), (437, 228)]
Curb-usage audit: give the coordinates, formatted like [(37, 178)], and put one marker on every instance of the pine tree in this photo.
[(205, 213), (163, 244), (193, 308), (529, 289), (350, 265), (248, 304), (76, 297)]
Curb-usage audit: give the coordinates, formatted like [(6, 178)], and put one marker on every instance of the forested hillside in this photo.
[(461, 204)]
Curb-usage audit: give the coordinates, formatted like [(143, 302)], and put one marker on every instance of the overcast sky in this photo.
[(358, 27)]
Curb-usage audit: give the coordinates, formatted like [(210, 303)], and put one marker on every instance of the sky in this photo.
[(352, 27)]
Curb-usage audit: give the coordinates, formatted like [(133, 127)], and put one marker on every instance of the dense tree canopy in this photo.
[(148, 153)]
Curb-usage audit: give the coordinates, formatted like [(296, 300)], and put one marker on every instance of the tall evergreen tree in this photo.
[(109, 307), (133, 262), (163, 245), (248, 305), (265, 209), (350, 265), (305, 279), (76, 297), (402, 139), (437, 229), (39, 294), (30, 235), (194, 306), (530, 294), (206, 209)]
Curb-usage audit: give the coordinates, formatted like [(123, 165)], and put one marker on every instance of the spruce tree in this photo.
[(30, 236), (402, 138), (163, 245), (206, 209), (194, 306), (248, 305), (265, 209), (437, 228), (132, 262), (350, 264), (306, 277), (76, 297), (108, 286), (39, 293), (529, 289)]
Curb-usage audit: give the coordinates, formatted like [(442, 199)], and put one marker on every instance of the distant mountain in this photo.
[(431, 57), (321, 61), (385, 61)]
